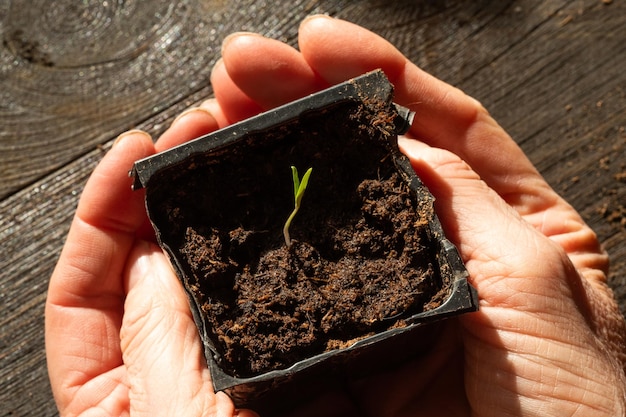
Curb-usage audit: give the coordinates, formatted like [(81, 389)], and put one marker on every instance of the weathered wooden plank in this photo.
[(70, 81), (551, 72), (72, 74)]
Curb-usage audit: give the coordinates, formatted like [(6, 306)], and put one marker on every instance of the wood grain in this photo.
[(73, 75)]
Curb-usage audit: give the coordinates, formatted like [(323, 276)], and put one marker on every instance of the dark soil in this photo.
[(362, 258), (273, 308)]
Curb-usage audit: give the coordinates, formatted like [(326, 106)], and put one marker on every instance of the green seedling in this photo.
[(299, 186)]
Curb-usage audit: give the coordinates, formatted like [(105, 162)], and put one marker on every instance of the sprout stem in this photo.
[(299, 186)]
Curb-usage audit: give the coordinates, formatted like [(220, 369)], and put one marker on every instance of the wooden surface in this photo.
[(73, 75)]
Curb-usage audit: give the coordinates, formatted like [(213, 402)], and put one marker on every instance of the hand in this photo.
[(549, 338), (120, 339)]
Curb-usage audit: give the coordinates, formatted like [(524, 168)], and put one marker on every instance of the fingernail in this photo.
[(125, 135), (316, 16), (208, 103), (192, 111), (218, 63), (229, 39), (212, 106)]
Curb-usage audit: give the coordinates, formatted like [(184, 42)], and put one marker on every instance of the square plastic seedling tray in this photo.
[(238, 179)]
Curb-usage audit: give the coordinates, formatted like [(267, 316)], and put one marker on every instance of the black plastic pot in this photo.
[(184, 184)]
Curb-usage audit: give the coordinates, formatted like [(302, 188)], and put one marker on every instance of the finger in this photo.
[(190, 124), (323, 40), (484, 234), (213, 107), (457, 188), (552, 217), (268, 71), (447, 118), (235, 104), (85, 295), (338, 50), (108, 201), (484, 228)]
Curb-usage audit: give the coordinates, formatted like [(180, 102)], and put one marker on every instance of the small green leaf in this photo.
[(302, 186), (296, 182)]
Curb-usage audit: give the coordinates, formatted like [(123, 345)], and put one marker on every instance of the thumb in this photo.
[(532, 335), (498, 246), (160, 345)]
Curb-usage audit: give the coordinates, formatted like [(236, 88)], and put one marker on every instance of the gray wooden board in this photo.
[(72, 79)]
